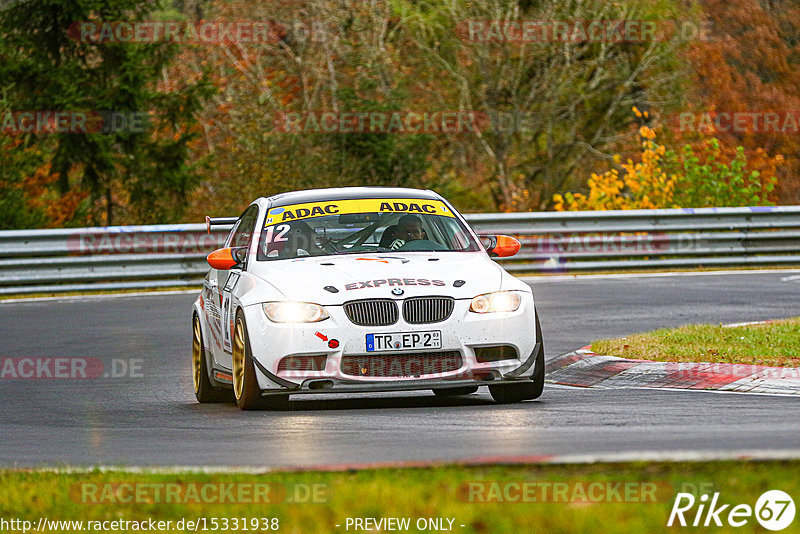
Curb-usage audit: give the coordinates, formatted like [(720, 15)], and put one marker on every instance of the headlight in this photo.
[(295, 312), (501, 301)]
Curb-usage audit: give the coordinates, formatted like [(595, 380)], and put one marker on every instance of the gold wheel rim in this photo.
[(197, 353), (238, 359)]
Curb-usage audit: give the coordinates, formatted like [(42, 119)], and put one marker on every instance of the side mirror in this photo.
[(226, 258), (500, 246)]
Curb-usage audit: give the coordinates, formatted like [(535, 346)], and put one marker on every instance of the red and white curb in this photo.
[(584, 368)]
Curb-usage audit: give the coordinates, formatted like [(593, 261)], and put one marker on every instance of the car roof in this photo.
[(347, 193)]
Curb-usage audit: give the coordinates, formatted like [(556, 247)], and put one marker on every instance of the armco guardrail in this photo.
[(114, 257), (128, 257)]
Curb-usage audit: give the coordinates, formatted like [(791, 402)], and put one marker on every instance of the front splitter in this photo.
[(318, 386)]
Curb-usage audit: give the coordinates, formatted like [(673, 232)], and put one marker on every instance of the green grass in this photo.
[(417, 493), (773, 344)]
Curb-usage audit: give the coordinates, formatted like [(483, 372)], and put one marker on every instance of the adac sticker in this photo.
[(308, 210)]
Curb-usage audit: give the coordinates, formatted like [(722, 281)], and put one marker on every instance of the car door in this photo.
[(224, 282)]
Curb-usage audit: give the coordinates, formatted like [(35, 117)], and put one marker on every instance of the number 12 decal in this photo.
[(282, 229)]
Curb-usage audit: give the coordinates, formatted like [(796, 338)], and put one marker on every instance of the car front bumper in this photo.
[(462, 332), (313, 386)]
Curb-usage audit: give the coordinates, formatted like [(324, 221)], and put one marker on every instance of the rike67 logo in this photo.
[(774, 510)]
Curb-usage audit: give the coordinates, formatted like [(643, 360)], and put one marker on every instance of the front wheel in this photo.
[(511, 393), (245, 384), (523, 390)]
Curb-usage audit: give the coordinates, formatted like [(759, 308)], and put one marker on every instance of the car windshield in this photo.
[(361, 227)]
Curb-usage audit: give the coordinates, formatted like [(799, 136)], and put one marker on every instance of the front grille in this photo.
[(401, 365), (425, 310), (372, 312)]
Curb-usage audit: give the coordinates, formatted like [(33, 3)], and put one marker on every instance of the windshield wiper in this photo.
[(368, 251)]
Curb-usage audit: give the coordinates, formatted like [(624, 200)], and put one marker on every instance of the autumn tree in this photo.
[(334, 56), (141, 173), (552, 103), (747, 60)]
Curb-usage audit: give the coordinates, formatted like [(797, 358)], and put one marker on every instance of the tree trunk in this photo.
[(109, 208)]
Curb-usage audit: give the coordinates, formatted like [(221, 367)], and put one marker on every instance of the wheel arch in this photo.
[(274, 381)]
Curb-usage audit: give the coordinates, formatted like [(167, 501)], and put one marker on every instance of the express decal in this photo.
[(308, 210), (389, 282)]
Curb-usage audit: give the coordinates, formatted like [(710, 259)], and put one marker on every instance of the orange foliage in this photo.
[(59, 209), (642, 185), (750, 64), (703, 174)]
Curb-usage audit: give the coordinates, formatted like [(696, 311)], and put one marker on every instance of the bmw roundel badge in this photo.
[(397, 291)]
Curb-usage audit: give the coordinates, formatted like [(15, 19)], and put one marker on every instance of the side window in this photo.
[(244, 228)]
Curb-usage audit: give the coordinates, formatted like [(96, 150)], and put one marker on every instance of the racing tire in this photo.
[(245, 383), (204, 390), (455, 392), (523, 390)]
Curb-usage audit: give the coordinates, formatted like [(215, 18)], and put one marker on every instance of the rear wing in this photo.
[(219, 221)]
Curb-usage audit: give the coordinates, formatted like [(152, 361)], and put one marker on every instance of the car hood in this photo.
[(456, 274)]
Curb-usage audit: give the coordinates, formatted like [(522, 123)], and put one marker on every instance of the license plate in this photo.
[(404, 341)]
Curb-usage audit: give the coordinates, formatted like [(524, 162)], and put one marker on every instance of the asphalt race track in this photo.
[(154, 420)]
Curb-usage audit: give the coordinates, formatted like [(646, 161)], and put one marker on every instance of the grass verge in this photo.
[(641, 502), (774, 344)]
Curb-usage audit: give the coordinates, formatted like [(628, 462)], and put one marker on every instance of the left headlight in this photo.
[(295, 312), (501, 301)]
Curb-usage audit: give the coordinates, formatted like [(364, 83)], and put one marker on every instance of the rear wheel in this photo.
[(204, 390), (245, 383), (455, 392)]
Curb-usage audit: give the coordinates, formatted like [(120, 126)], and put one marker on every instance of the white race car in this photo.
[(361, 289)]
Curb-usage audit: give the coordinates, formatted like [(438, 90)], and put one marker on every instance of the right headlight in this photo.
[(295, 312), (500, 301)]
